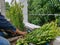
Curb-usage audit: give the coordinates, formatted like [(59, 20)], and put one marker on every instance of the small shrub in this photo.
[(16, 16)]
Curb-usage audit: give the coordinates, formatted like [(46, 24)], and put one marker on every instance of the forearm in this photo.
[(18, 31)]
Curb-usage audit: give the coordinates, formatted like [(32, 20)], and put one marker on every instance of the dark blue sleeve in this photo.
[(6, 25)]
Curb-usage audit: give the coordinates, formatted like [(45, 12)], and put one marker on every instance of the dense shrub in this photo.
[(40, 20), (44, 6), (58, 20), (42, 35), (36, 7)]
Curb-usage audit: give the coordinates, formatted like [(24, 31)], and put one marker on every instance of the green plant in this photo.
[(36, 7), (15, 15), (43, 6), (7, 6), (58, 20), (41, 19), (22, 42), (42, 35)]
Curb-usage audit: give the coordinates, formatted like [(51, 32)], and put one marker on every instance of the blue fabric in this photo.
[(6, 25), (4, 41), (1, 16), (47, 43), (2, 34)]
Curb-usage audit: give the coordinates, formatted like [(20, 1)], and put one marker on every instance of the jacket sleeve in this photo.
[(6, 25)]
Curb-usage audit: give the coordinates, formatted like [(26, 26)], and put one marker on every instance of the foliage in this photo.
[(7, 6), (36, 7), (58, 20), (40, 20), (44, 6), (42, 35), (15, 15)]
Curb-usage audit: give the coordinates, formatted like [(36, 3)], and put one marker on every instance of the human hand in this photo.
[(23, 33)]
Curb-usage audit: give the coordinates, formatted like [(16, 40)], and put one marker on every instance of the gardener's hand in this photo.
[(23, 33), (20, 32)]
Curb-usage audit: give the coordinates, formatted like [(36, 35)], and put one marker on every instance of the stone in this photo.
[(57, 41)]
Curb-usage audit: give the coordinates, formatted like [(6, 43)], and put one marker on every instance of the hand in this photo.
[(23, 33), (20, 32)]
